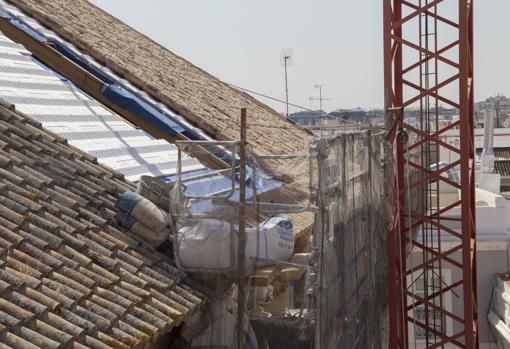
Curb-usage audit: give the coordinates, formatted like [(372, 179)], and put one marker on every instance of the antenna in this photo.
[(287, 54), (286, 60), (320, 99)]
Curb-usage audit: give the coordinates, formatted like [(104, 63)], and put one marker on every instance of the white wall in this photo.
[(501, 139), (493, 228), (492, 216)]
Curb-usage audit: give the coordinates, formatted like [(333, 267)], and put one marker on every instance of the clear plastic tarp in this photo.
[(350, 240), (339, 300)]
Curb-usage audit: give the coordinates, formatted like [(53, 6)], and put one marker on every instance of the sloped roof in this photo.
[(45, 96), (61, 107), (502, 167), (499, 152), (199, 97), (66, 274)]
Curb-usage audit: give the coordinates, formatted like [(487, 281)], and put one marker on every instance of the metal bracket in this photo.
[(397, 118)]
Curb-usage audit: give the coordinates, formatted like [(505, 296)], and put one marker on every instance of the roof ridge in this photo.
[(189, 62)]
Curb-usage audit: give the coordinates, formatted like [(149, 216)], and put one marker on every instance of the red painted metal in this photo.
[(428, 53)]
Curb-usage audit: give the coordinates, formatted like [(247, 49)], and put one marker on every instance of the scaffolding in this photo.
[(236, 215), (338, 292), (350, 240)]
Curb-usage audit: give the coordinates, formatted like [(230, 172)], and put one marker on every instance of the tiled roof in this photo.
[(201, 98), (62, 108), (279, 144), (68, 278), (499, 152), (502, 167)]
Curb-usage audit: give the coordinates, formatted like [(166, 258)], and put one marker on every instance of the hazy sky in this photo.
[(337, 43)]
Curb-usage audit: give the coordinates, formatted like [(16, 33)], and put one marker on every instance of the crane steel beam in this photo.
[(428, 61)]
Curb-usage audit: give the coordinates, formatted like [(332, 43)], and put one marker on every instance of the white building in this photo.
[(493, 228)]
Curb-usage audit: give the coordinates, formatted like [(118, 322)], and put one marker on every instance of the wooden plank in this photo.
[(264, 277), (291, 274), (300, 258)]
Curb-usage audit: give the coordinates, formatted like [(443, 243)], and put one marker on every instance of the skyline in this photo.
[(335, 43)]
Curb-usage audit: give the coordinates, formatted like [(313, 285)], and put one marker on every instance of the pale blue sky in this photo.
[(335, 42)]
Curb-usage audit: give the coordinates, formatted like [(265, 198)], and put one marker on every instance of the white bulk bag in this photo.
[(210, 245)]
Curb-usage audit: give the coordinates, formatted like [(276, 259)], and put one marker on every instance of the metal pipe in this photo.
[(286, 84), (280, 263), (201, 142), (205, 175), (488, 143), (319, 244), (232, 168), (274, 206), (242, 232), (282, 156)]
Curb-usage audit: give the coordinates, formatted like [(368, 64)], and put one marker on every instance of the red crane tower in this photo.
[(428, 52)]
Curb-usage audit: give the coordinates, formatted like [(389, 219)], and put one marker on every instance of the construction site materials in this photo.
[(347, 292), (210, 245), (499, 314), (274, 240), (268, 246), (143, 210), (292, 271), (502, 330), (206, 245), (155, 190), (142, 218), (343, 294)]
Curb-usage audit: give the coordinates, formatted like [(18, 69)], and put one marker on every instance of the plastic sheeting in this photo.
[(128, 101), (61, 107), (217, 184), (21, 25), (350, 238), (71, 55), (211, 245), (119, 91), (36, 31)]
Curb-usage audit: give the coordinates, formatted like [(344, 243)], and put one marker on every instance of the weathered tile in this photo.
[(68, 277)]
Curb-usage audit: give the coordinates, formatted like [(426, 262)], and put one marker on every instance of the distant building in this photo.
[(442, 112), (377, 121), (310, 118), (357, 115), (488, 104), (498, 104)]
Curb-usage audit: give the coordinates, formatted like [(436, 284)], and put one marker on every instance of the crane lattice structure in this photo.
[(428, 47)]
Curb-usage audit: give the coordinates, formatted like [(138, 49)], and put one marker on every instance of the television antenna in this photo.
[(287, 61), (320, 99)]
